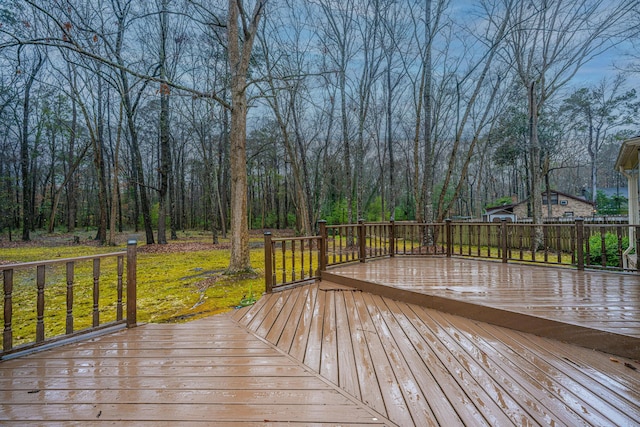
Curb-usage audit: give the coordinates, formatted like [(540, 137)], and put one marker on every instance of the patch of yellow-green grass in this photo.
[(171, 286)]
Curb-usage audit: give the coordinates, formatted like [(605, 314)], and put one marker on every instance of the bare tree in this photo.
[(547, 44), (596, 113), (242, 29)]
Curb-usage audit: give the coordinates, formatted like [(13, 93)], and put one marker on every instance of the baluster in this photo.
[(120, 288), (333, 244), (620, 261), (40, 278), (406, 235), (302, 259), (293, 260), (545, 239), (559, 243), (603, 246), (70, 270), (274, 275), (7, 336), (310, 257), (96, 292), (283, 246), (533, 241)]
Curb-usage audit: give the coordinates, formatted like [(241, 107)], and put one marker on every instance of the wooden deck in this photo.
[(322, 354), (419, 366), (594, 309), (209, 371)]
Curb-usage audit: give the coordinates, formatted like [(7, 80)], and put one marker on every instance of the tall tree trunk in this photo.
[(165, 139), (98, 160), (115, 189), (389, 118), (72, 183), (28, 184), (534, 167), (239, 58)]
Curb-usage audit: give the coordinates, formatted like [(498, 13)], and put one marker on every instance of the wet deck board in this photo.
[(418, 366), (210, 371), (594, 309)]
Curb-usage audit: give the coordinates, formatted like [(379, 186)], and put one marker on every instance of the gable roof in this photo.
[(500, 209)]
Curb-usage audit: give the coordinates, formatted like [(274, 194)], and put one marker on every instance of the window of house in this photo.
[(554, 198)]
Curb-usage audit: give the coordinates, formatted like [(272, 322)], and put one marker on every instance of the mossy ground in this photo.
[(181, 281)]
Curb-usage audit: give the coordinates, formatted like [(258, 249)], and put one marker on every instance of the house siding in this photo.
[(578, 207)]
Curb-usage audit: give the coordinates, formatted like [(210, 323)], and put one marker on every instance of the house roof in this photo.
[(500, 209), (628, 155)]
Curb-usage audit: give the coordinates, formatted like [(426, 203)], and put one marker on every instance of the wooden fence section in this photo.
[(577, 245), (64, 273)]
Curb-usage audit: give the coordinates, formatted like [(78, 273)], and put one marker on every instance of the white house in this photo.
[(627, 164)]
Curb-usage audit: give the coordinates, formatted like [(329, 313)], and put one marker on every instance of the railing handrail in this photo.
[(21, 265)]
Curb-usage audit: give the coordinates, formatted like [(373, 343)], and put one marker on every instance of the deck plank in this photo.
[(363, 363), (391, 393), (286, 338), (303, 329), (313, 350), (329, 354), (347, 373)]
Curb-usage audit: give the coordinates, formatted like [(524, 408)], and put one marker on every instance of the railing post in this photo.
[(362, 245), (7, 336), (448, 236), (580, 243), (503, 239), (392, 238), (268, 263), (131, 283), (322, 249)]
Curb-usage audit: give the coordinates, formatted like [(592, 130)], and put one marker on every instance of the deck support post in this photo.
[(268, 262), (362, 245), (448, 236), (580, 243), (503, 239), (322, 249), (132, 283)]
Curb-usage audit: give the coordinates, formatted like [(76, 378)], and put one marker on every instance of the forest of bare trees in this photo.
[(167, 115)]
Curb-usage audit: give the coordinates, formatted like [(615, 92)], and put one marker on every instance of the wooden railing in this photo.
[(576, 245), (30, 281), (292, 260)]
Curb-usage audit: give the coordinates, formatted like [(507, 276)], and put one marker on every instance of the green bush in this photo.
[(611, 249)]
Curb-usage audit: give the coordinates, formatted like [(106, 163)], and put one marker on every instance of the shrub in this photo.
[(611, 249)]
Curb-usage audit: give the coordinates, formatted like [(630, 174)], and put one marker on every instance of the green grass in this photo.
[(172, 286)]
